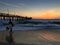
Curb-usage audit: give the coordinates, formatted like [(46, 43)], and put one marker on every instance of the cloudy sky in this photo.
[(39, 9)]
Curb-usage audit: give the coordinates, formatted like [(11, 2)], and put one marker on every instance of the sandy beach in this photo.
[(38, 37)]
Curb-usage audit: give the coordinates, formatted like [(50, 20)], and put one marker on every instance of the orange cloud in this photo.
[(45, 14), (51, 14)]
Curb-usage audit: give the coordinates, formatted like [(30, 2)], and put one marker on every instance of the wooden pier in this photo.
[(4, 16)]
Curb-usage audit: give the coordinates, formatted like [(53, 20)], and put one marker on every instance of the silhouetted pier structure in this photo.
[(4, 16)]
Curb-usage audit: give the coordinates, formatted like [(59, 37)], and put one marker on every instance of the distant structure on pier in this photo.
[(4, 16)]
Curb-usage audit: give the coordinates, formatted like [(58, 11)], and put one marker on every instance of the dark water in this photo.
[(41, 24)]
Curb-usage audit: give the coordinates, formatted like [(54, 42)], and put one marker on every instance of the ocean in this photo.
[(31, 24)]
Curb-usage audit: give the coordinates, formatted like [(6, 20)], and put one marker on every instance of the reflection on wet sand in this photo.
[(36, 37)]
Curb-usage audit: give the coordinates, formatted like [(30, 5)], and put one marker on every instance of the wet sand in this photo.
[(36, 37)]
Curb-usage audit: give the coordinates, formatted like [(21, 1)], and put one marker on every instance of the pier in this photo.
[(4, 16)]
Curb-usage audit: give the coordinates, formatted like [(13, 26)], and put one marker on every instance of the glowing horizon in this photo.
[(45, 14)]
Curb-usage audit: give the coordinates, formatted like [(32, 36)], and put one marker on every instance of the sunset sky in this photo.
[(39, 9)]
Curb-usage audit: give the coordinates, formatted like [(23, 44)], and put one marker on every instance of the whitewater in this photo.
[(29, 26)]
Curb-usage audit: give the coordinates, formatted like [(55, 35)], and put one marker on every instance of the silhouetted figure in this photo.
[(10, 23), (9, 38)]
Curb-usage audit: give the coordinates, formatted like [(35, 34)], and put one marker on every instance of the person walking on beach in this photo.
[(9, 37)]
